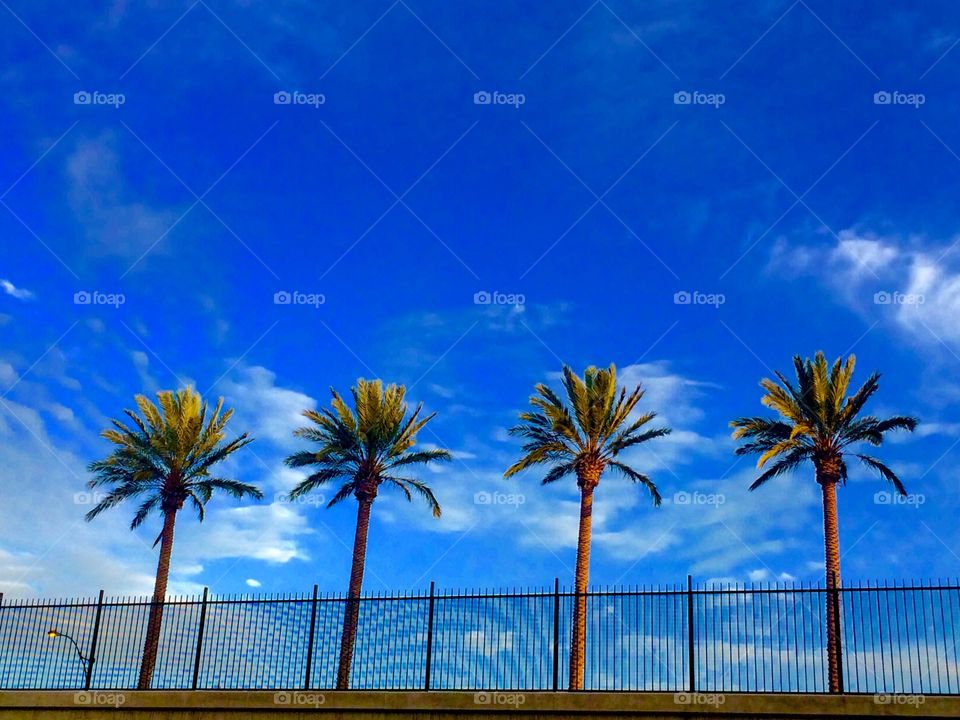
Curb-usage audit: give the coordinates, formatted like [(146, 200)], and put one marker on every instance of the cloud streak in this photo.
[(15, 292)]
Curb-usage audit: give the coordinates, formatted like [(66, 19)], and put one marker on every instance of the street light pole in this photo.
[(53, 633)]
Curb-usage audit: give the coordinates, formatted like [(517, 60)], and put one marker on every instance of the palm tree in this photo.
[(363, 449), (165, 460), (584, 436), (819, 422)]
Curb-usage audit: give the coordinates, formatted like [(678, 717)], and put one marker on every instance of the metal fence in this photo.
[(678, 638)]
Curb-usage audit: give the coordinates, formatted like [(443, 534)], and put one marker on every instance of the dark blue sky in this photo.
[(789, 187)]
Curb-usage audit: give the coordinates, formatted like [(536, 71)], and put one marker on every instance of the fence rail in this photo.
[(676, 638)]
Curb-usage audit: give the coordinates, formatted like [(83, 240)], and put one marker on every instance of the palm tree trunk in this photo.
[(155, 618), (831, 542), (578, 640), (352, 613)]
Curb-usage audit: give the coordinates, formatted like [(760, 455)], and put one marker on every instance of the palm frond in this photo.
[(885, 472), (818, 420), (363, 444), (787, 463), (234, 488), (166, 455), (411, 485), (589, 428), (638, 478)]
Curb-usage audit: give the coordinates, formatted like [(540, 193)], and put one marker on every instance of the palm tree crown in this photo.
[(586, 434), (367, 446), (167, 457), (818, 422)]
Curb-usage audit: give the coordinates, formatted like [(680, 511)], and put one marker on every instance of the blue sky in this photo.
[(787, 187)]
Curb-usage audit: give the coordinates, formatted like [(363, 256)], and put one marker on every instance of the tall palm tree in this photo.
[(819, 422), (584, 436), (363, 449), (163, 461)]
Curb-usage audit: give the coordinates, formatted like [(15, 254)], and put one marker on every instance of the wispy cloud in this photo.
[(908, 281), (13, 291), (113, 217)]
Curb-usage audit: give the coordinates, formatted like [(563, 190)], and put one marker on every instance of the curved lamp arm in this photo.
[(53, 633)]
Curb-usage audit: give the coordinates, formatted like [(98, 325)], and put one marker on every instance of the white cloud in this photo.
[(444, 392), (852, 258), (672, 396), (8, 376), (928, 429), (478, 641), (47, 548), (141, 362), (261, 532), (13, 291), (267, 410), (61, 413), (868, 254), (766, 575), (251, 582), (113, 218), (907, 281)]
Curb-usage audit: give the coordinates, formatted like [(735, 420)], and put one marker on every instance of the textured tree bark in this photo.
[(578, 640), (831, 543), (154, 620), (351, 614)]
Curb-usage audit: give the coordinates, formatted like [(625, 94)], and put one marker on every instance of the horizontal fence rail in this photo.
[(675, 638)]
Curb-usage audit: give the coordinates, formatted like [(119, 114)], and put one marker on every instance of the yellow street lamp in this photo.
[(54, 633)]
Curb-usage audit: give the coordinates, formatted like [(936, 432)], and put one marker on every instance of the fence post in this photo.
[(556, 634), (313, 627), (691, 647), (93, 642), (203, 622), (426, 682)]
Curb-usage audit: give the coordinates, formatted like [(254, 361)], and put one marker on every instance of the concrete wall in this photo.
[(263, 705)]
